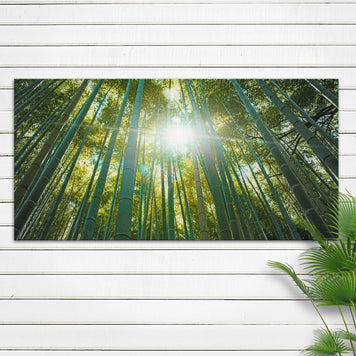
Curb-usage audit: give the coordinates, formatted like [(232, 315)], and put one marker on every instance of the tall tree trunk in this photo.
[(22, 187), (43, 129), (79, 216), (149, 188), (235, 230), (285, 214), (124, 213), (303, 199), (37, 104), (90, 221), (320, 129), (19, 108), (200, 199), (170, 182), (25, 92), (51, 215), (325, 156), (28, 205), (114, 196), (142, 185), (327, 94), (191, 234), (163, 193), (223, 223)]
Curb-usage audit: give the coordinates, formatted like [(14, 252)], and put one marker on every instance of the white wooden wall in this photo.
[(163, 298)]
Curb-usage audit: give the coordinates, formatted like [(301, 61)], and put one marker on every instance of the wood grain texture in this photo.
[(178, 13), (161, 312), (182, 56), (177, 35), (185, 286), (156, 337)]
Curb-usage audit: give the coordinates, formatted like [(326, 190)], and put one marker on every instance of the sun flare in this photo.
[(178, 135)]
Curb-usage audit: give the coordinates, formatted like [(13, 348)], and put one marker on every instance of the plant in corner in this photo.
[(331, 268)]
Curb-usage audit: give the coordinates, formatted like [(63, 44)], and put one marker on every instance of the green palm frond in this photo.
[(335, 289), (343, 216), (326, 343), (344, 335), (290, 271), (331, 258)]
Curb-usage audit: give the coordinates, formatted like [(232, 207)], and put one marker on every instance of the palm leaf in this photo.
[(347, 336), (330, 258), (335, 289), (326, 343), (290, 271)]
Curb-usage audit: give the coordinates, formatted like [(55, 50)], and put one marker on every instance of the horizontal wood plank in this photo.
[(346, 76), (176, 35), (6, 167), (251, 261), (347, 122), (6, 213), (145, 353), (151, 312), (157, 337), (8, 243), (298, 13), (347, 144), (185, 56), (85, 2), (148, 287)]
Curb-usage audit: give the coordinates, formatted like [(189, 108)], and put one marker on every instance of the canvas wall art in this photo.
[(174, 159)]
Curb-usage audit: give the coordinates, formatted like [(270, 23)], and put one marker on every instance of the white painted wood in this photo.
[(146, 353), (347, 122), (347, 166), (191, 35), (144, 262), (157, 337), (346, 75), (347, 99), (348, 186), (8, 243), (184, 56), (148, 287), (347, 144), (6, 213), (6, 120), (150, 312), (6, 190), (215, 291), (7, 144), (6, 167), (43, 2), (183, 14)]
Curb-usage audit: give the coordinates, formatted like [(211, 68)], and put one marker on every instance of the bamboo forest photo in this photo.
[(174, 159)]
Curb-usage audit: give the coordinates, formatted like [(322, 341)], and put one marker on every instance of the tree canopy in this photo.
[(170, 159)]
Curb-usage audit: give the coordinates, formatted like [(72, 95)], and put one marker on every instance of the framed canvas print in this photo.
[(174, 159)]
